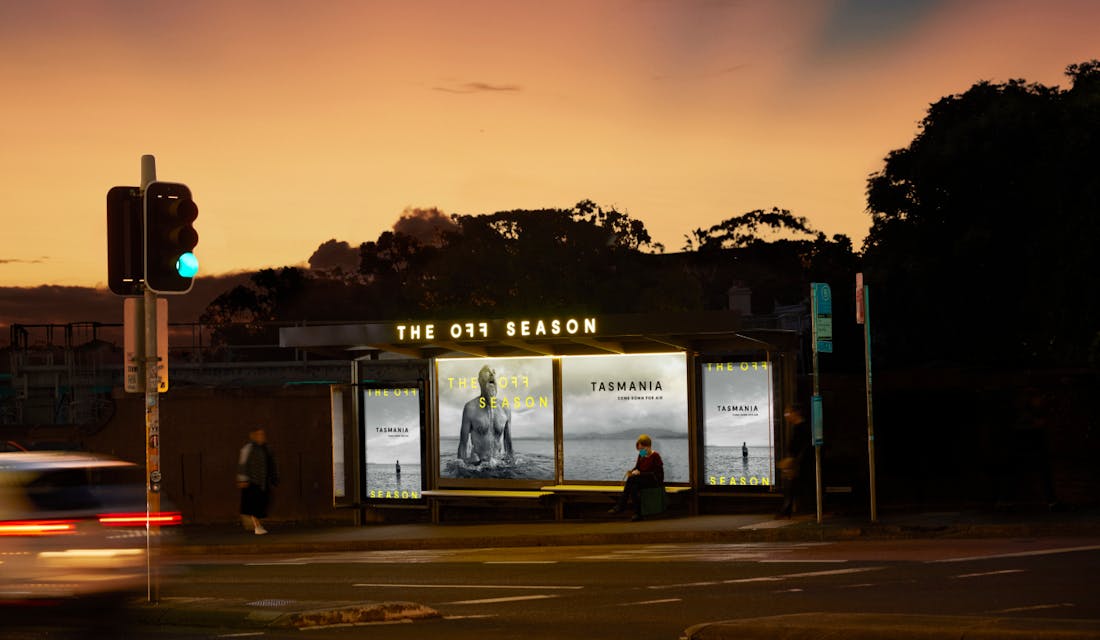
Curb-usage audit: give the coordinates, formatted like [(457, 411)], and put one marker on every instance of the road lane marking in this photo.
[(465, 586), (1036, 607), (1021, 554), (988, 573), (767, 524), (520, 562), (496, 600), (709, 583), (796, 561), (808, 574), (645, 602), (718, 552), (832, 572)]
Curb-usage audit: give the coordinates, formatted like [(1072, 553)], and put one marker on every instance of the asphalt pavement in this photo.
[(297, 538)]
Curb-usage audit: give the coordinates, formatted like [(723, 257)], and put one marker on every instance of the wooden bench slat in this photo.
[(585, 488), (595, 488), (476, 493)]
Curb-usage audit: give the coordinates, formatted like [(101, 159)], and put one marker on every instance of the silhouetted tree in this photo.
[(583, 259), (774, 252), (744, 230), (984, 228), (245, 313)]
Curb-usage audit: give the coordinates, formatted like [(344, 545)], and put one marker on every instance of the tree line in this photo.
[(981, 250)]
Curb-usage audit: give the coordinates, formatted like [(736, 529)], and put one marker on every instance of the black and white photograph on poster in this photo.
[(496, 418), (608, 401), (391, 443), (738, 441)]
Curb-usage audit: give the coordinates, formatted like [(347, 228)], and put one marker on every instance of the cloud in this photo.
[(40, 260), (426, 225), (479, 87), (335, 254), (856, 24)]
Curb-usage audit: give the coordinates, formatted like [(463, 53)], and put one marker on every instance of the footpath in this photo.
[(291, 538)]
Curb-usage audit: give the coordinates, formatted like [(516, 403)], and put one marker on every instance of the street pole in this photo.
[(817, 392), (870, 412), (152, 412)]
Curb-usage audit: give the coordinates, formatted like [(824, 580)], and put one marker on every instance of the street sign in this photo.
[(859, 298), (822, 312), (133, 332), (817, 421), (823, 299)]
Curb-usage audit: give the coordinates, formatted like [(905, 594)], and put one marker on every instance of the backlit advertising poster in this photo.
[(608, 401), (391, 443), (738, 446), (496, 418)]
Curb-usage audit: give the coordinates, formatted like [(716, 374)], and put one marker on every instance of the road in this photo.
[(655, 591)]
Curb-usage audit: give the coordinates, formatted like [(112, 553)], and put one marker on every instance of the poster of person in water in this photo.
[(608, 401), (496, 418), (391, 443), (738, 440)]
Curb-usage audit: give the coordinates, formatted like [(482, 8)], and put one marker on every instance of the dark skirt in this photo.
[(254, 501)]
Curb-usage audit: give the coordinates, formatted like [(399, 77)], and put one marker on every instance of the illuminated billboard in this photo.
[(608, 401), (496, 418), (391, 443), (738, 443)]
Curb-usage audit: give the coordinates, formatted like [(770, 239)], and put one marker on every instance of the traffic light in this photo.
[(125, 266), (170, 264)]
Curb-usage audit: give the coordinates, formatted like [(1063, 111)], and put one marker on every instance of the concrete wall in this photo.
[(202, 431), (941, 439)]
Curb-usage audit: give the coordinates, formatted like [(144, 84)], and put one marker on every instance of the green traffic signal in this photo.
[(187, 265), (170, 237)]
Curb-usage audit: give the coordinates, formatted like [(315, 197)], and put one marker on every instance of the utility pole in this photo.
[(150, 242), (863, 316), (821, 310), (152, 412)]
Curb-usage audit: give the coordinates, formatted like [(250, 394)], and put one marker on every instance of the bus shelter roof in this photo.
[(715, 332)]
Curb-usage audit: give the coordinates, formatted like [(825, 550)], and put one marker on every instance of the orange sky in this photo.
[(297, 122)]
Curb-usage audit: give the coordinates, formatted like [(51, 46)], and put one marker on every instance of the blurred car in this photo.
[(73, 525)]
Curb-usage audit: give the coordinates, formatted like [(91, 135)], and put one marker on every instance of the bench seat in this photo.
[(437, 496), (598, 492), (479, 493)]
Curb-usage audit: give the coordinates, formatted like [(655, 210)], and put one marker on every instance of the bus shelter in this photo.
[(529, 406)]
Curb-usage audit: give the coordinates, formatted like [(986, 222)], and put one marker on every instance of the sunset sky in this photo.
[(297, 122)]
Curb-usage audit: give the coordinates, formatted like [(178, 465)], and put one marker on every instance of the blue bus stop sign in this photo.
[(817, 421), (823, 299), (823, 317)]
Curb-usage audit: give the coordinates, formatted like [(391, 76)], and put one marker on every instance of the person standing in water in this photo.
[(486, 432)]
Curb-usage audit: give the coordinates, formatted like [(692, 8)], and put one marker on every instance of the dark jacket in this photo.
[(652, 466), (256, 466)]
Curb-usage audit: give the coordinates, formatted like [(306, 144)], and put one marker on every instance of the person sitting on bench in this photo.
[(648, 471)]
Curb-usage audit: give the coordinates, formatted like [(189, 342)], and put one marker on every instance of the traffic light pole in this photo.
[(152, 413)]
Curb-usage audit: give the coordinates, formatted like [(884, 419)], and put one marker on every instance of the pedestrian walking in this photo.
[(256, 477), (792, 467)]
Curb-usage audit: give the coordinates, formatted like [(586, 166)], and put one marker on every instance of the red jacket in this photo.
[(653, 465)]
